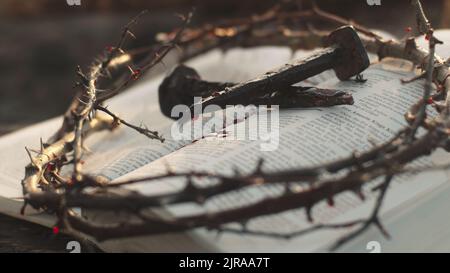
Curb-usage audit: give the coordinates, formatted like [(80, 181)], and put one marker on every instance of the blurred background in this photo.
[(42, 41)]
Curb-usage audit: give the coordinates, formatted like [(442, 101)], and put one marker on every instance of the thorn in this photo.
[(102, 74), (44, 180), (81, 75), (135, 74), (308, 214), (189, 185), (163, 64), (219, 233), (287, 188), (200, 199), (42, 146), (259, 166), (360, 78), (29, 153), (330, 202), (131, 34), (383, 230), (82, 102), (24, 206), (108, 73), (34, 151), (355, 156), (178, 48), (293, 49), (31, 157), (244, 225), (86, 149), (131, 69), (415, 78), (360, 194), (168, 168), (180, 16)]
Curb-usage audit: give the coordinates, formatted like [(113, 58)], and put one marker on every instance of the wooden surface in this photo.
[(21, 236)]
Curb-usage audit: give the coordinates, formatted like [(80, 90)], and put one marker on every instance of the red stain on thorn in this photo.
[(55, 230), (136, 74), (51, 167)]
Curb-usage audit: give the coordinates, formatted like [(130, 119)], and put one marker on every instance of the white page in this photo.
[(301, 135), (382, 101)]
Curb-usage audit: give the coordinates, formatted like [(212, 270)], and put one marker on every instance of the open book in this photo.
[(414, 206)]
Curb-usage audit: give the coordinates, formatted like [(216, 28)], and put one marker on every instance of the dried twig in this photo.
[(142, 130), (81, 119)]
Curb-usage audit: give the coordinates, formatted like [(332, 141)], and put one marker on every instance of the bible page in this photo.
[(306, 137)]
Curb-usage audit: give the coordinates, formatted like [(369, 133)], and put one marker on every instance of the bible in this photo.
[(305, 137)]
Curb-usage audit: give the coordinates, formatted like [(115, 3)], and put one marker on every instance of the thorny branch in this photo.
[(143, 130), (44, 188), (82, 118)]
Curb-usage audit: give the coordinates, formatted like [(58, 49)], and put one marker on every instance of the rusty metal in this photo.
[(184, 83), (345, 54)]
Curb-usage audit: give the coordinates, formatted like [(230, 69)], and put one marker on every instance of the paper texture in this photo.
[(307, 137)]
